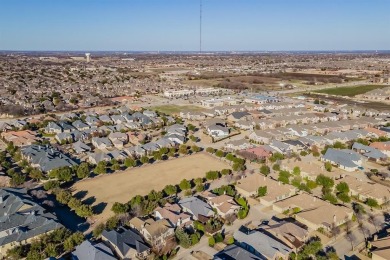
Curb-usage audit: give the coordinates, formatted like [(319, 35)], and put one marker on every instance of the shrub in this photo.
[(211, 241)]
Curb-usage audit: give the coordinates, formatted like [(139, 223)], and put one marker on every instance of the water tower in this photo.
[(88, 55)]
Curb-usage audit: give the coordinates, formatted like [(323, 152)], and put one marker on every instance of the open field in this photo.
[(350, 91), (175, 109), (122, 186)]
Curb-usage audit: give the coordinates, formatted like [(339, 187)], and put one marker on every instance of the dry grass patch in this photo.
[(122, 186)]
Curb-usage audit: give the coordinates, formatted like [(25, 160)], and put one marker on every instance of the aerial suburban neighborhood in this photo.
[(194, 172)]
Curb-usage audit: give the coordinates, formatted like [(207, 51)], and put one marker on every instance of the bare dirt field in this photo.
[(103, 191)]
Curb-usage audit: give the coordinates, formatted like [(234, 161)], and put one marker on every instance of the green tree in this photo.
[(265, 170), (119, 208), (83, 170), (212, 175), (144, 159), (17, 179), (170, 190), (74, 203), (84, 211), (328, 166), (238, 167), (98, 230), (63, 196), (276, 167), (183, 238), (130, 162), (344, 197), (262, 191), (219, 153), (342, 187), (210, 150), (185, 185), (330, 197), (296, 170), (35, 174), (101, 168), (324, 181), (195, 148), (49, 185), (373, 203), (194, 239), (211, 241), (226, 171)]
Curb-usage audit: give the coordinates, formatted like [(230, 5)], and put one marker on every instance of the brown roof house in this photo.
[(313, 212), (248, 187)]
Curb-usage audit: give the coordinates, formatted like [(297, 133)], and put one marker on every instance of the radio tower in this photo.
[(200, 27)]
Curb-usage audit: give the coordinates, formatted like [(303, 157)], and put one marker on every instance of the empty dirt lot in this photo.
[(122, 186)]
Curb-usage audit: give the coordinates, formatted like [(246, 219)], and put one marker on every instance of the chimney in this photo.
[(1, 199), (334, 219)]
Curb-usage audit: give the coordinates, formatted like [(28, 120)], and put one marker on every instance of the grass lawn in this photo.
[(350, 91), (122, 186), (175, 109)]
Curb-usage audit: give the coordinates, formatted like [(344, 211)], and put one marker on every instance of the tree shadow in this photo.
[(90, 200), (80, 194), (99, 208)]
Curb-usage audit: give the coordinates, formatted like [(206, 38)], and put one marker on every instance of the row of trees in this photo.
[(53, 244), (238, 163)]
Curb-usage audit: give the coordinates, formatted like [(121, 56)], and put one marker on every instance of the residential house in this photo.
[(261, 136), (97, 157), (150, 113), (156, 232), (365, 189), (79, 125), (289, 233), (384, 147), (225, 205), (174, 214), (20, 138), (345, 159), (313, 212), (196, 207), (379, 248), (238, 145), (261, 152), (371, 153), (118, 139), (237, 116), (261, 245), (80, 147), (46, 158), (126, 243), (235, 252), (89, 251), (218, 131), (22, 220), (248, 187), (101, 143)]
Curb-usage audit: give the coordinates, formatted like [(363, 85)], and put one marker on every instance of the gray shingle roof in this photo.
[(21, 218), (125, 240), (88, 251), (47, 157), (196, 206), (264, 245)]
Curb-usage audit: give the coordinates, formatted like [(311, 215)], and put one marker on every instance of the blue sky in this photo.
[(173, 25)]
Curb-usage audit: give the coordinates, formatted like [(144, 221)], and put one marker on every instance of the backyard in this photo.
[(103, 191)]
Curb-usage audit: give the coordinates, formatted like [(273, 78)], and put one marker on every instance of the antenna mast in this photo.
[(200, 27)]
